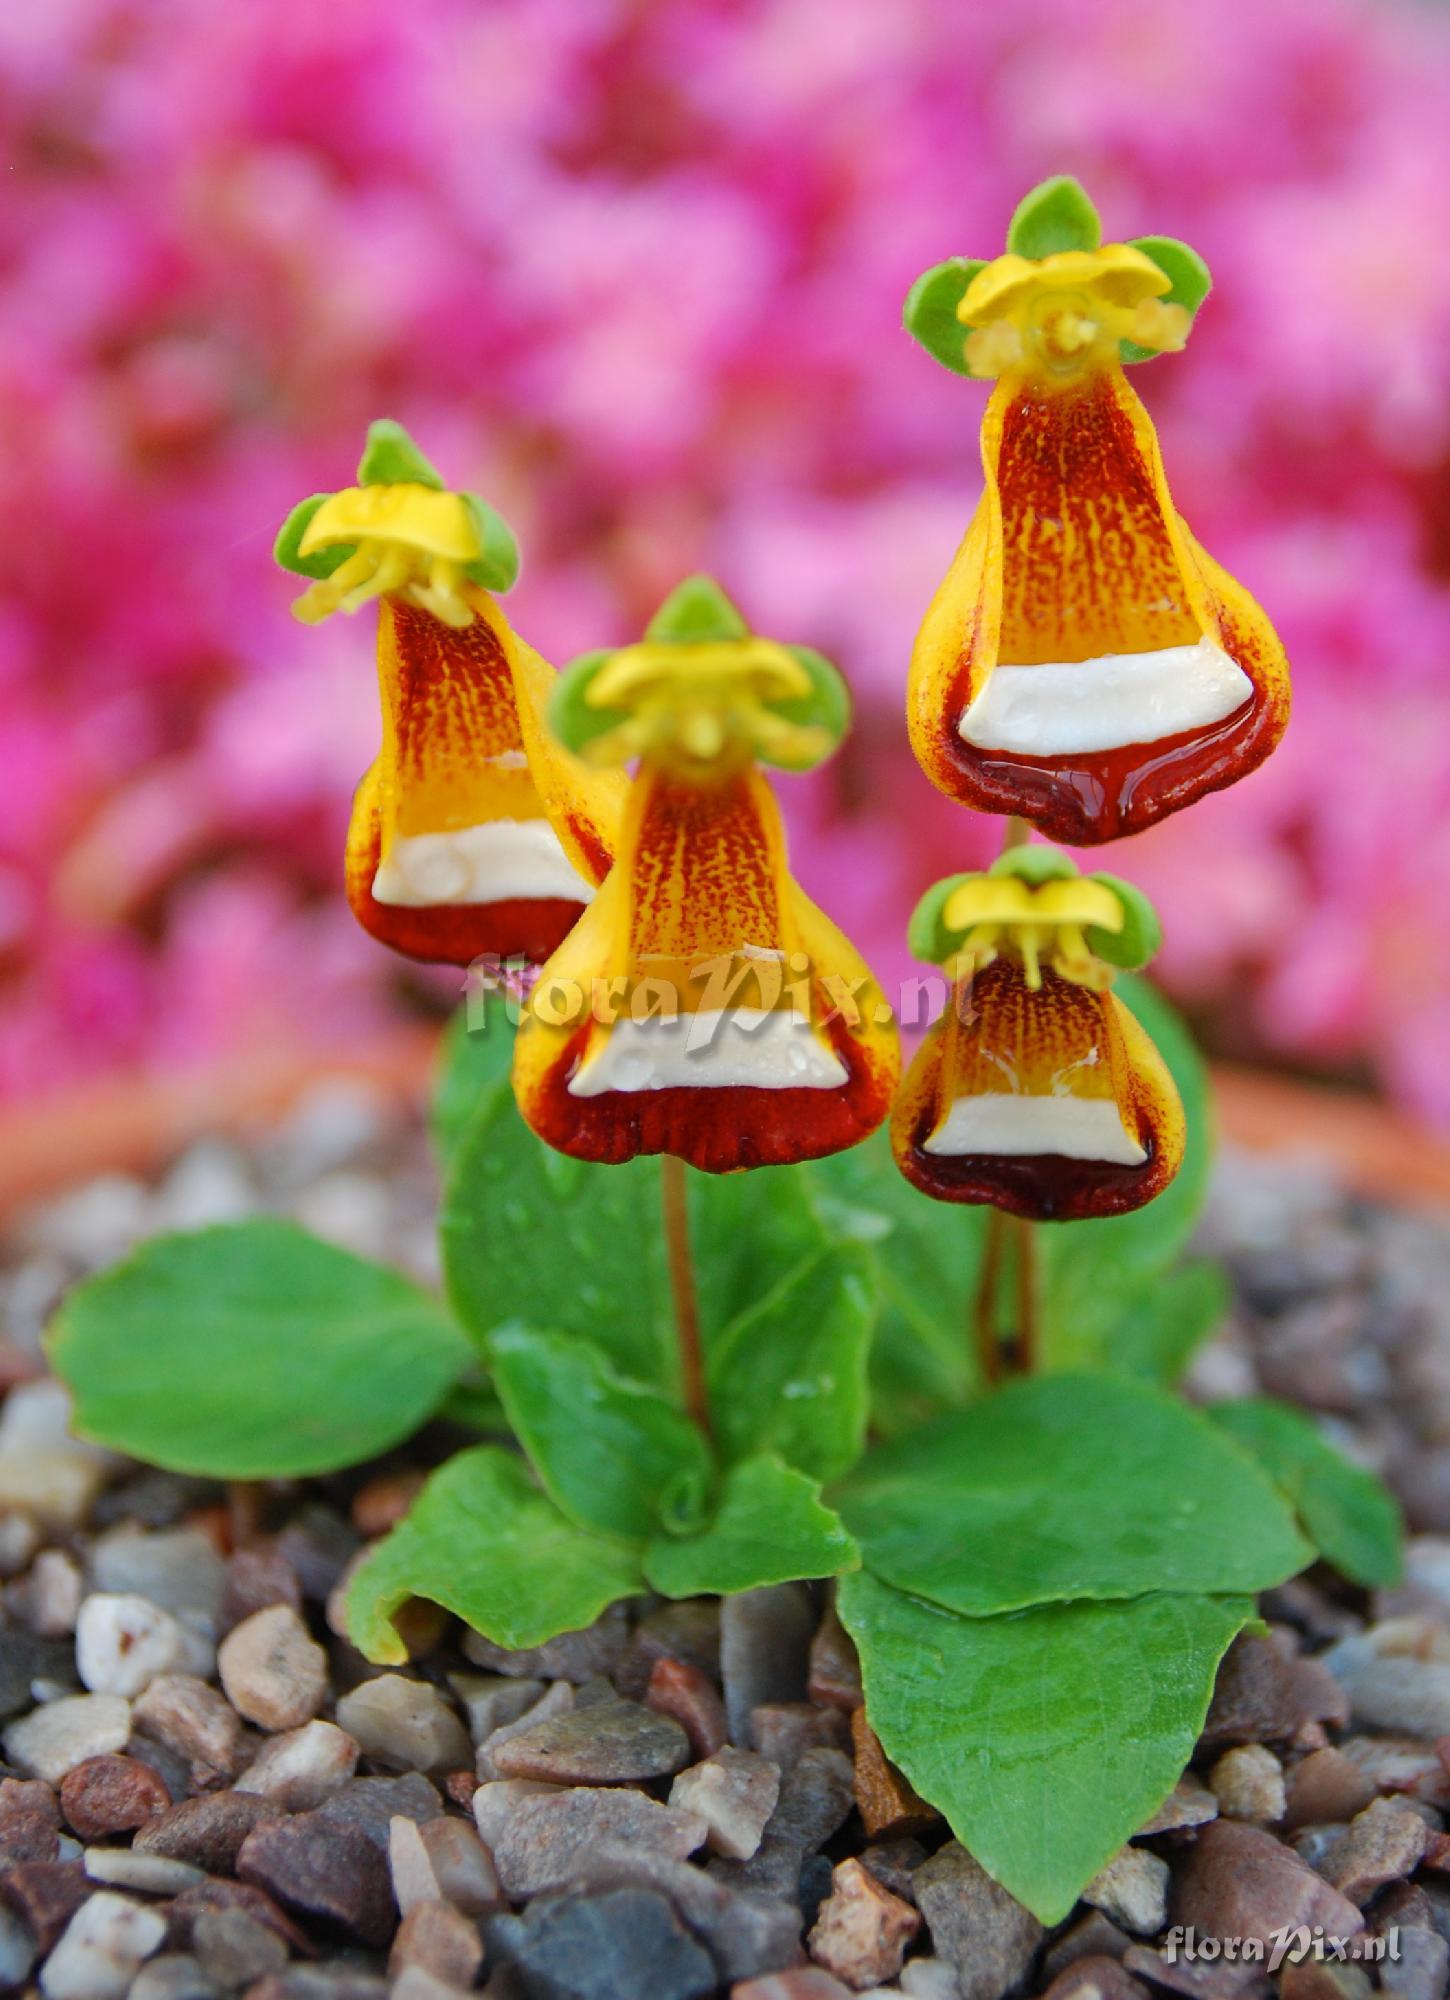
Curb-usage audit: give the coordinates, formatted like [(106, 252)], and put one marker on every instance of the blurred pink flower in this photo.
[(636, 272)]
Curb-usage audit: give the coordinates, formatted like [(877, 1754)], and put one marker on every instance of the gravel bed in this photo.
[(205, 1791)]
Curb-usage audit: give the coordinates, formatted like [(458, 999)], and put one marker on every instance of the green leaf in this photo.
[(695, 612), (771, 1528), (1062, 1487), (1159, 1327), (1191, 283), (482, 1541), (1093, 1272), (789, 1374), (930, 312), (1056, 215), (1344, 1509), (253, 1351), (475, 1053), (497, 568), (927, 935), (613, 1455), (928, 1256), (390, 458), (1141, 937), (1048, 1737), (286, 550)]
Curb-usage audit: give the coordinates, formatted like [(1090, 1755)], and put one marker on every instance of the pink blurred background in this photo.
[(635, 272)]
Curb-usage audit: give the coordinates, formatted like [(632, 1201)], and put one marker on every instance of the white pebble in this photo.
[(19, 1539), (151, 1874), (123, 1643), (273, 1672), (1248, 1783), (1132, 1890), (303, 1767), (53, 1740), (53, 1594), (102, 1949), (177, 1568), (405, 1723)]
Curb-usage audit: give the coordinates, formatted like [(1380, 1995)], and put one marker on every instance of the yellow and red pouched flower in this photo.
[(703, 1006), (1037, 1090), (1085, 663), (474, 832)]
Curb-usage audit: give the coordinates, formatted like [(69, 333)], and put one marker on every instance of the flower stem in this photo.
[(1025, 1356), (682, 1287), (984, 1305)]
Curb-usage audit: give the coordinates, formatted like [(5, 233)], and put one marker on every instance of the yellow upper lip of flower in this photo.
[(412, 517), (1116, 275), (1007, 900), (703, 699)]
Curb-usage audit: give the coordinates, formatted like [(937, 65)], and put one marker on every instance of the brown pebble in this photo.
[(257, 1577), (440, 1940), (687, 1632), (862, 1931), (689, 1696), (460, 1787), (46, 1895), (1095, 1977), (207, 1831), (272, 1670), (29, 1822), (834, 1678), (1238, 1881), (382, 1502), (111, 1794), (607, 1743), (808, 1982), (186, 1715), (219, 1895), (1383, 1844), (1327, 1785), (785, 1730), (887, 1803), (329, 1871)]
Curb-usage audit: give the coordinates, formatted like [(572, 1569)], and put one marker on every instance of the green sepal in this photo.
[(497, 568), (286, 549), (390, 458), (1141, 937), (571, 718), (1190, 283), (1034, 864), (1055, 215), (927, 936), (827, 706), (696, 612), (929, 313)]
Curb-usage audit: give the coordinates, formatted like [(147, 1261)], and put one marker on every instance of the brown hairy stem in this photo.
[(676, 1222)]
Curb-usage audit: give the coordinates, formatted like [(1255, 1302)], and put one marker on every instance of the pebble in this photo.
[(785, 1730), (328, 1871), (317, 1545), (206, 1831), (404, 1723), (193, 1719), (256, 1578), (1254, 1698), (929, 1979), (815, 1802), (20, 1537), (572, 1656), (1093, 1936), (1326, 1785), (372, 1804), (745, 1933), (765, 1638), (173, 1976), (491, 1700), (806, 1982), (1392, 1691), (734, 1792), (1095, 1979), (54, 1591), (1190, 1803), (833, 1678), (688, 1695), (975, 1924), (54, 1739), (111, 1794), (444, 1859), (688, 1632), (123, 1642), (1419, 1973), (597, 1947), (1384, 1843), (862, 1931), (272, 1671), (547, 1838), (1133, 1890), (322, 1982), (1238, 1881), (888, 1804), (102, 1949), (150, 1874), (17, 1951), (213, 1894), (178, 1569), (233, 1948), (440, 1940), (559, 1700), (55, 1485), (302, 1767), (29, 1822), (609, 1742), (494, 1804), (1248, 1783)]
